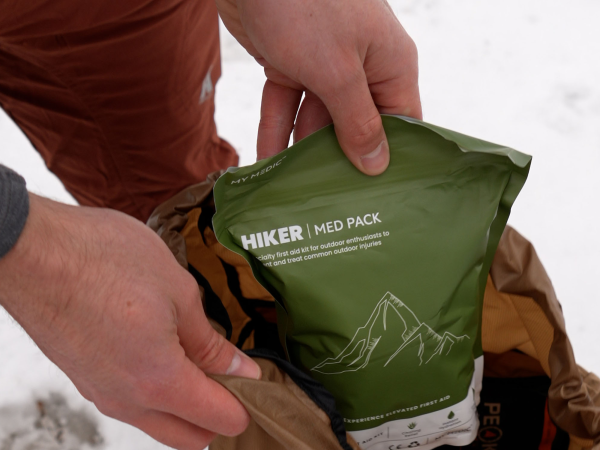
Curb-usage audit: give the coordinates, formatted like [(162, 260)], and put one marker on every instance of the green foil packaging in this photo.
[(379, 281)]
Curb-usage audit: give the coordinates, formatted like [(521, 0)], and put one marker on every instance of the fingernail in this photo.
[(242, 366), (377, 161)]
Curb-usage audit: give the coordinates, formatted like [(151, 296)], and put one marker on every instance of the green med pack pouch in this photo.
[(379, 281)]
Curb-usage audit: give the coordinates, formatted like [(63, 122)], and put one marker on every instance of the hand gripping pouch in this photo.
[(379, 281)]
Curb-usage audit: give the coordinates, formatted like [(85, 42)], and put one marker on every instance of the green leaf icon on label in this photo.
[(412, 425), (451, 415)]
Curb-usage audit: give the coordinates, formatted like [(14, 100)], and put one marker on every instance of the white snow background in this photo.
[(522, 74)]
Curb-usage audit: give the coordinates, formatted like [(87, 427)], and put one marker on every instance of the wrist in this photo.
[(35, 272)]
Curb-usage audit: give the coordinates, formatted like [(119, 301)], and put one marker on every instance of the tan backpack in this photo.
[(534, 394)]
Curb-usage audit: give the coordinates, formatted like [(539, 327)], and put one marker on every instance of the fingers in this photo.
[(398, 98), (400, 93), (361, 134), (195, 398), (206, 348), (212, 353), (172, 431), (357, 123), (312, 116), (173, 380), (177, 384), (277, 115)]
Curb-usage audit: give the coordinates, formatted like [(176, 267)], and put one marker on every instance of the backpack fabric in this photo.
[(534, 394)]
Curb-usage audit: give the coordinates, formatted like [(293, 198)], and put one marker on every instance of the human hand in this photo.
[(106, 301), (352, 59)]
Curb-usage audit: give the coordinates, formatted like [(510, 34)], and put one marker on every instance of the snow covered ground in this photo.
[(523, 74)]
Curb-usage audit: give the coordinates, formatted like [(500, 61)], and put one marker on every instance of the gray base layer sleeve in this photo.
[(14, 208)]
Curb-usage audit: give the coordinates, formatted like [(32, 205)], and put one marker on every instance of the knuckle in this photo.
[(363, 133), (412, 57), (191, 289), (110, 408), (190, 302), (272, 122), (84, 392), (405, 59), (189, 293), (86, 396), (210, 354), (412, 48)]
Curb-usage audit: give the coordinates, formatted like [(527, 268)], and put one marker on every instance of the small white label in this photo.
[(455, 425)]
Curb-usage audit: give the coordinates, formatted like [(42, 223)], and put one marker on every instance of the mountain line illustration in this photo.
[(391, 313)]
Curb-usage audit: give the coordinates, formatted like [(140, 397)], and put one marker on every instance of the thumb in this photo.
[(216, 355), (208, 349), (358, 124)]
